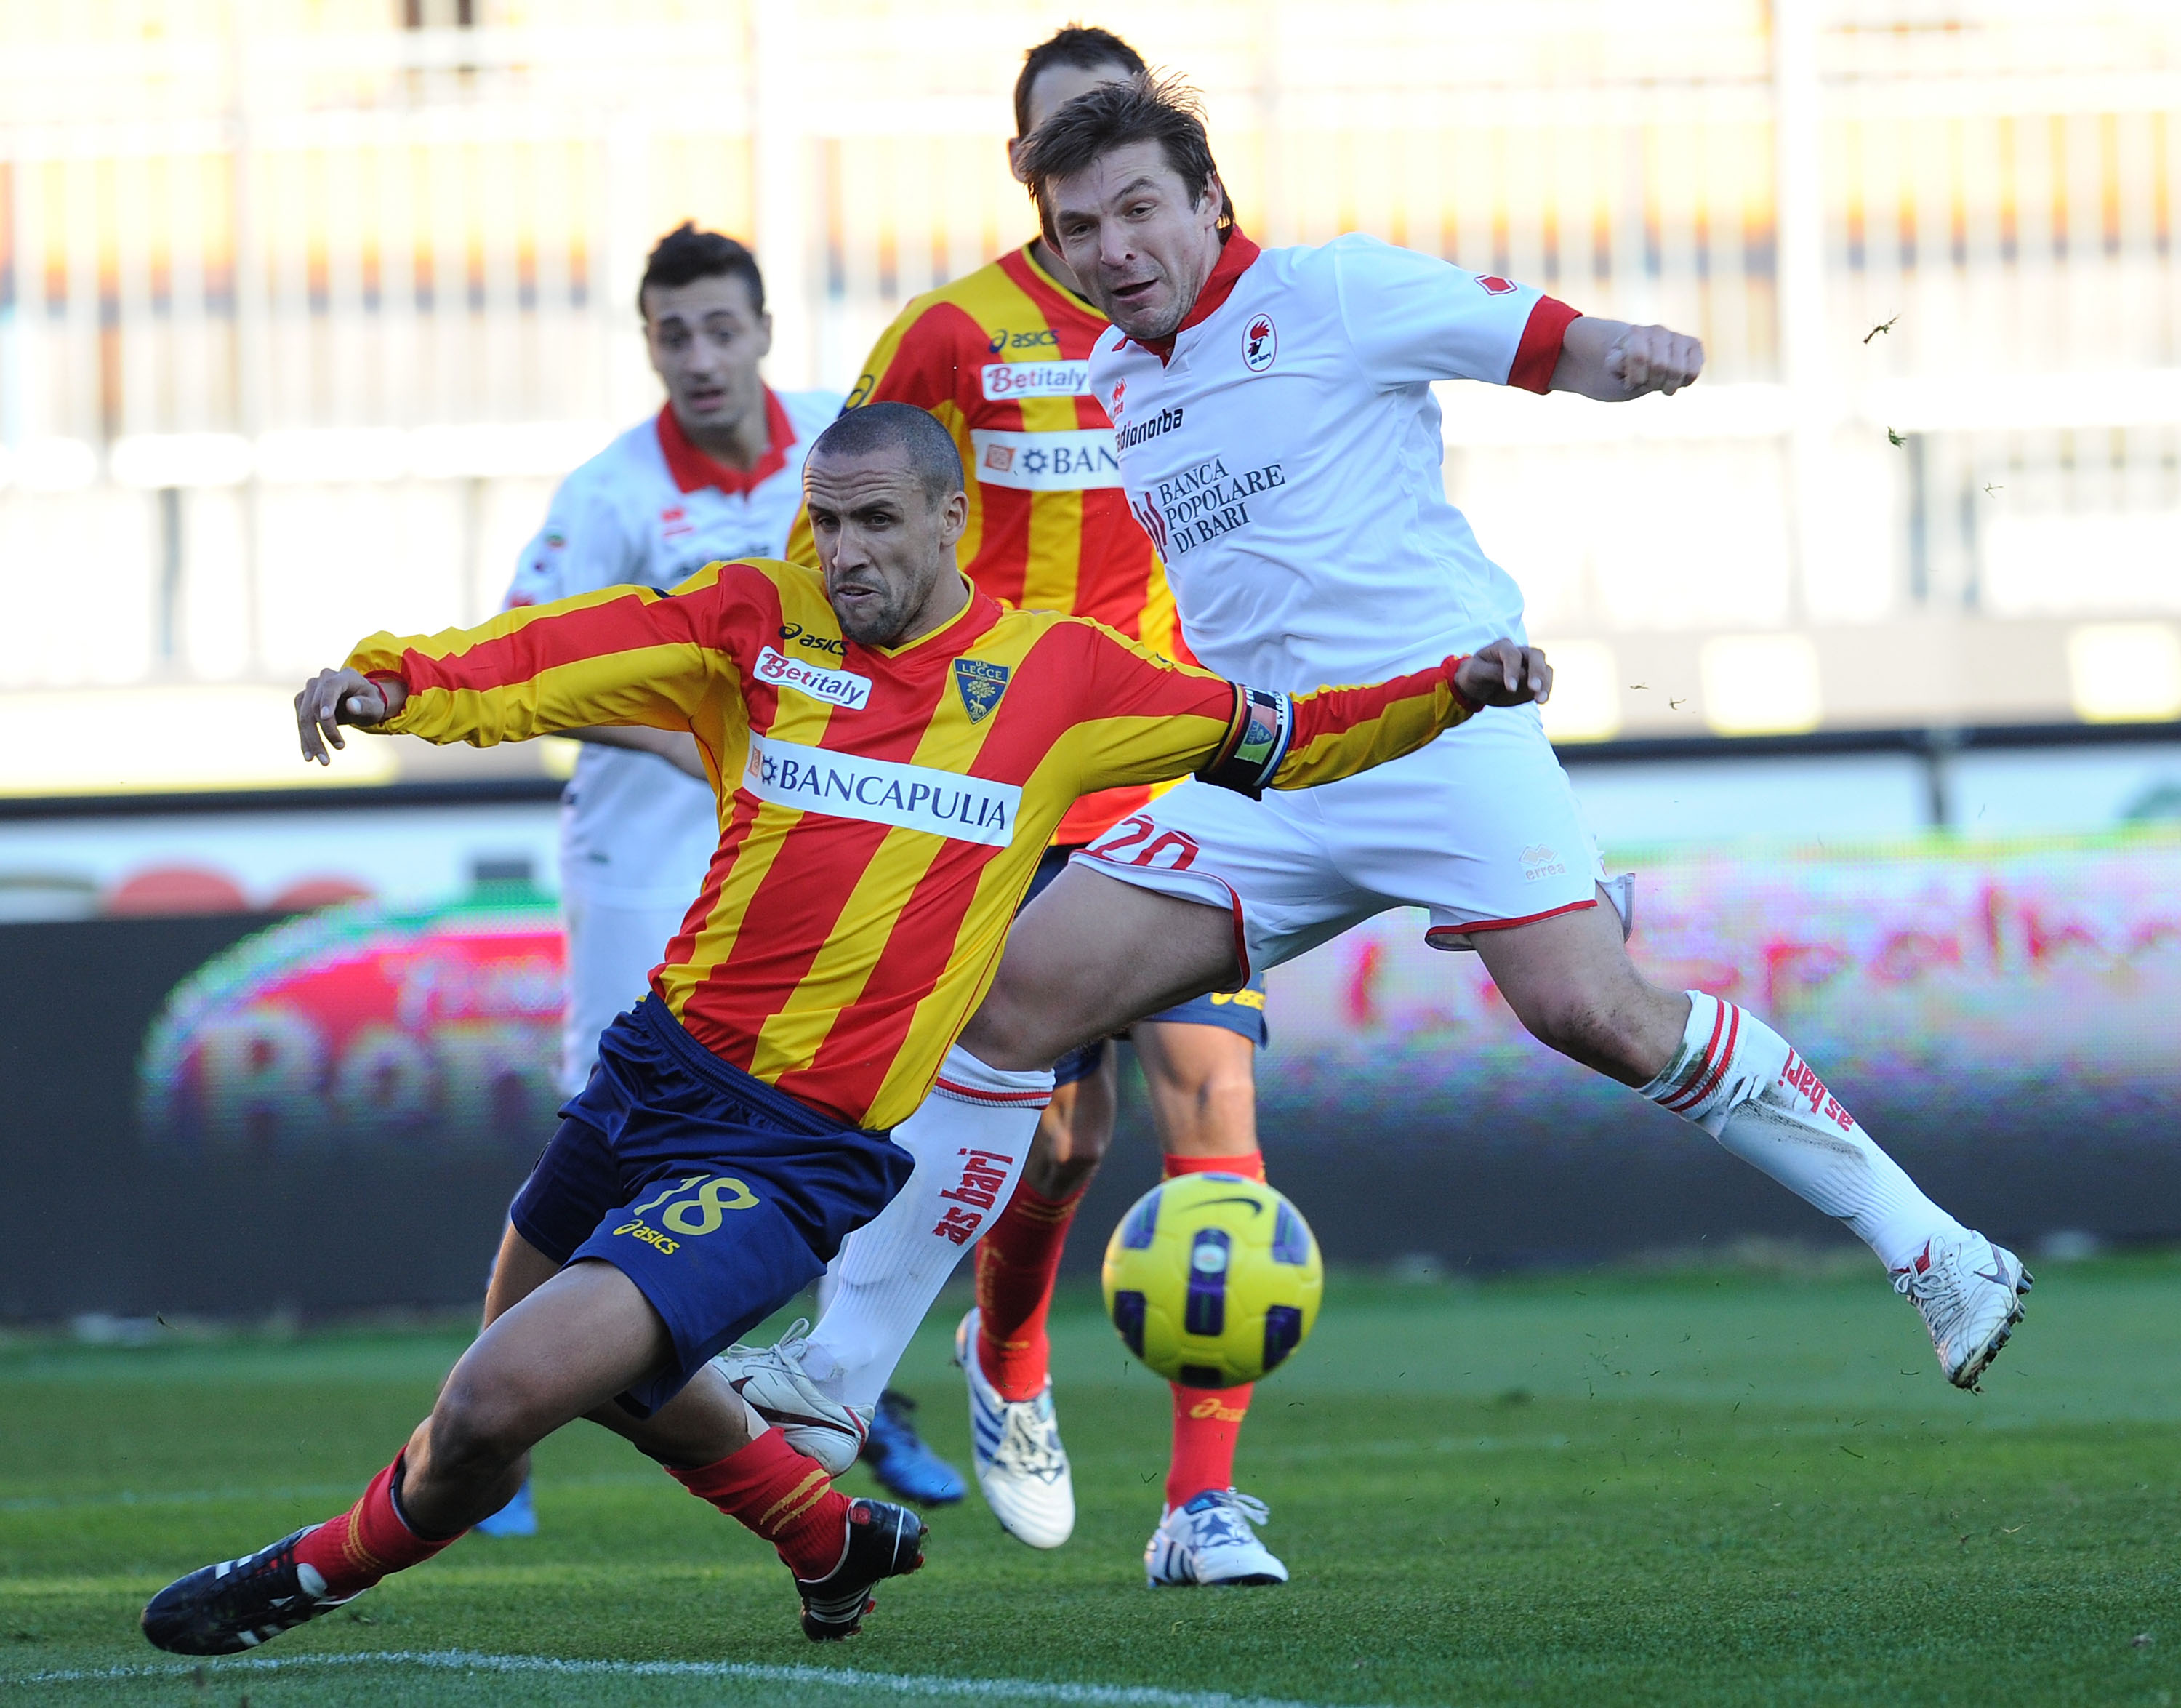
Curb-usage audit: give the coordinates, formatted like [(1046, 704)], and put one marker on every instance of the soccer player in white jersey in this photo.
[(1279, 440), (716, 474)]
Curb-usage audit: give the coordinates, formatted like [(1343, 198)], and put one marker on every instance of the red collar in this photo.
[(1234, 261), (691, 467)]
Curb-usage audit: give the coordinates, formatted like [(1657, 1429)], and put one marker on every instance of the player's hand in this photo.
[(1654, 358), (1502, 673), (335, 697)]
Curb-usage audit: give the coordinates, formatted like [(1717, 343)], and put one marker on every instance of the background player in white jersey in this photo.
[(1277, 433), (716, 474)]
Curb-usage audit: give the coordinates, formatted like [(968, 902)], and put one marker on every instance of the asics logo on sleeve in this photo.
[(841, 688)]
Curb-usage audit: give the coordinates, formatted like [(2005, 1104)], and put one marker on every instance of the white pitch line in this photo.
[(926, 1685)]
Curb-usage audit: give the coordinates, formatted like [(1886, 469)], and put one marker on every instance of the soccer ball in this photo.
[(1213, 1279)]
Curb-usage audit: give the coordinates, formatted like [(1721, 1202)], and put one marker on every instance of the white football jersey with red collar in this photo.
[(1285, 458), (634, 830)]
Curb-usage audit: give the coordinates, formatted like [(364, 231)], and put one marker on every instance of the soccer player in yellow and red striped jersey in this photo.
[(891, 751), (999, 358)]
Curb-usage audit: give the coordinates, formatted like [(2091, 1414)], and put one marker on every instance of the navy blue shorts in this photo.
[(720, 1198), (1237, 1011)]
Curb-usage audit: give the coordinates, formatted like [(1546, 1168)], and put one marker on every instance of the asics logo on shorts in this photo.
[(877, 791), (704, 1212)]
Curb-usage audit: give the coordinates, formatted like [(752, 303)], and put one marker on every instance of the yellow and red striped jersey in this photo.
[(881, 809), (1001, 357)]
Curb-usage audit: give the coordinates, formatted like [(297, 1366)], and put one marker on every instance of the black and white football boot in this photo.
[(884, 1540), (238, 1603)]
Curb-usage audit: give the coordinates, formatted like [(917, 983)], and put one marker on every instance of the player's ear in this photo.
[(1014, 159), (953, 517), (764, 334)]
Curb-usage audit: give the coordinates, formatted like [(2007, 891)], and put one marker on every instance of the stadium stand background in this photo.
[(292, 291)]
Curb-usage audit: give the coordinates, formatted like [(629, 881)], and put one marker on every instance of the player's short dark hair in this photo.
[(1145, 108), (686, 255), (1083, 46), (898, 426)]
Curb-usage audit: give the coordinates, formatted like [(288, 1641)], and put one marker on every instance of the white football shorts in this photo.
[(612, 947), (1481, 828)]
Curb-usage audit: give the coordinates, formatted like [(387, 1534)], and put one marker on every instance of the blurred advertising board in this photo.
[(357, 1029), (1999, 1016), (330, 1110)]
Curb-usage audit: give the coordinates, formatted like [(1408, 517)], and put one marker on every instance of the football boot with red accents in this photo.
[(1970, 1292), (883, 1541)]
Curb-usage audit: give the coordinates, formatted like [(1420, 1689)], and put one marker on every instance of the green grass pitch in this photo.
[(1677, 1488)]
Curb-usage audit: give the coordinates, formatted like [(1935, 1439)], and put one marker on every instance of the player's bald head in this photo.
[(899, 430)]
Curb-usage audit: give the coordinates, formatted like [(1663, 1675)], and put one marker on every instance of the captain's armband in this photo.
[(1263, 726)]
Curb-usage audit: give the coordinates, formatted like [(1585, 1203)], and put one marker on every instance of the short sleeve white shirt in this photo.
[(635, 830), (1284, 455)]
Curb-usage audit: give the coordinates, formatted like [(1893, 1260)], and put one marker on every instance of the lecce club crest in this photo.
[(981, 685)]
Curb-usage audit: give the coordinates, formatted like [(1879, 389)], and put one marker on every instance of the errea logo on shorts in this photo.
[(877, 791), (1005, 381), (841, 688)]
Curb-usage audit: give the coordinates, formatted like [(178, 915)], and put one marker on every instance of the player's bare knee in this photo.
[(1004, 1032), (1599, 1033), (478, 1429)]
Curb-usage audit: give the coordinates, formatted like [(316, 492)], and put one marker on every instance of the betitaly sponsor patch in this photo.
[(877, 791), (1005, 381), (841, 688), (981, 684)]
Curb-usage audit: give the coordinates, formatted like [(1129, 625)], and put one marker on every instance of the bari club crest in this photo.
[(980, 686), (1260, 343), (1113, 403)]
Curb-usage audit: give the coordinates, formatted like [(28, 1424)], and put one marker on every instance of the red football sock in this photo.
[(368, 1541), (1207, 1420), (1015, 1268), (783, 1495)]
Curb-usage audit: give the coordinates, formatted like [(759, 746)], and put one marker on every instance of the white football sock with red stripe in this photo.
[(1744, 1084), (970, 1140)]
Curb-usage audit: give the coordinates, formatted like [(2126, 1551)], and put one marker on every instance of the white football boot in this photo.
[(1211, 1540), (1970, 1293), (772, 1384), (1022, 1468)]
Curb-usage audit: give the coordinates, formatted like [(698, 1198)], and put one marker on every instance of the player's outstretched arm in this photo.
[(1156, 720), (621, 655), (1613, 361), (1338, 732), (340, 696)]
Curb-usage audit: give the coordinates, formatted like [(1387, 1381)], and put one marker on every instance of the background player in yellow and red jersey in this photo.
[(999, 357), (883, 800)]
